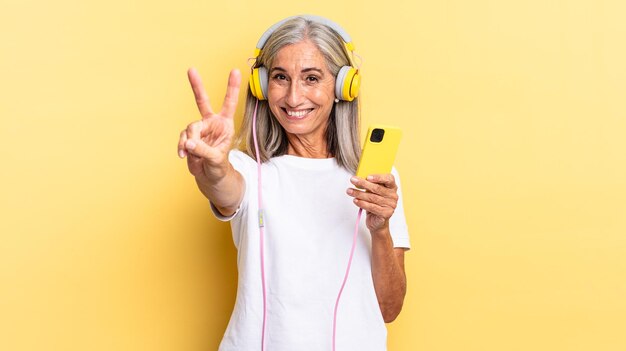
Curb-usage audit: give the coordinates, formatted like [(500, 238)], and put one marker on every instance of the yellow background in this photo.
[(513, 164)]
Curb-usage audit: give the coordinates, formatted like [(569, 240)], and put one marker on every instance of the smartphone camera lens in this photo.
[(377, 135)]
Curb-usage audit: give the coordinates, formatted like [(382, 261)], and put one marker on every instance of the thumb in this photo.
[(200, 149)]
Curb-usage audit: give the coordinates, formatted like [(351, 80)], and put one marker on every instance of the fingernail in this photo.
[(190, 144), (354, 179), (181, 153), (370, 178), (349, 191)]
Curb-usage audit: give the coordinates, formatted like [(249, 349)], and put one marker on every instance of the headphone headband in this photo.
[(318, 19)]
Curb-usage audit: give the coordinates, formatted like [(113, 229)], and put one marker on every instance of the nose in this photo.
[(295, 94)]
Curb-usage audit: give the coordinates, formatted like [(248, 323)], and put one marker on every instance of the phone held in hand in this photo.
[(379, 150)]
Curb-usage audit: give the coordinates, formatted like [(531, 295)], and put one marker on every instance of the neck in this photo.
[(299, 146)]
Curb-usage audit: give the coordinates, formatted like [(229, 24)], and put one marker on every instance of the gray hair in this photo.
[(342, 132)]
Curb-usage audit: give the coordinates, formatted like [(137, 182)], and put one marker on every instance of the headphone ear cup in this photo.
[(347, 83), (258, 83)]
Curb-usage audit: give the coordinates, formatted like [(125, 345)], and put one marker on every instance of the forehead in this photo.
[(300, 54)]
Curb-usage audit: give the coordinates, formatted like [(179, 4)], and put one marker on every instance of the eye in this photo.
[(312, 79), (279, 76)]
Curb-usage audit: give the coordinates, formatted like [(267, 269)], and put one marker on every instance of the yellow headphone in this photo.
[(348, 79)]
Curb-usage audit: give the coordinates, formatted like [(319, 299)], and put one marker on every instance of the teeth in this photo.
[(298, 114)]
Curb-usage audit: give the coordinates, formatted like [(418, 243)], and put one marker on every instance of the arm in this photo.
[(380, 200), (225, 192), (389, 276), (206, 144)]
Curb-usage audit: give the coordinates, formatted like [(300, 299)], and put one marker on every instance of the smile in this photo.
[(297, 113)]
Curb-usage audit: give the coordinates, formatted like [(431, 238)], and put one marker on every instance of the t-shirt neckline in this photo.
[(305, 162)]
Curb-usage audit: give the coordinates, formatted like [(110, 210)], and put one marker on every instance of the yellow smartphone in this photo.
[(379, 150)]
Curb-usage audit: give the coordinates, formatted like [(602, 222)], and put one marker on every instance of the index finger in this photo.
[(232, 94), (386, 180), (202, 99)]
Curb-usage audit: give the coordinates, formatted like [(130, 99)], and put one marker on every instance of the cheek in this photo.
[(274, 108), (274, 96), (324, 96), (274, 93)]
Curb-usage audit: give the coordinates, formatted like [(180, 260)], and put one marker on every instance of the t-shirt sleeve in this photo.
[(397, 222), (245, 165)]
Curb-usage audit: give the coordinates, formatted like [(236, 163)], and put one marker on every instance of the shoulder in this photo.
[(240, 156), (241, 161)]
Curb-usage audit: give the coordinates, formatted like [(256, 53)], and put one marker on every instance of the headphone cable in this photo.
[(261, 224), (345, 278)]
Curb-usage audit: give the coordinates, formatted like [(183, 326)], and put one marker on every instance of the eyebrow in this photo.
[(306, 70)]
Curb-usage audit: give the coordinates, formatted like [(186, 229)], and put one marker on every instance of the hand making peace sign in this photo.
[(207, 142)]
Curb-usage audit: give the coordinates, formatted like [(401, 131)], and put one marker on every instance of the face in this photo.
[(301, 92)]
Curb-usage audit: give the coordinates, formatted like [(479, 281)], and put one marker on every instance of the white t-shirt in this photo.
[(309, 226)]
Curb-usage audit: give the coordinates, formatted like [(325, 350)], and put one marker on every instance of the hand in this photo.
[(378, 198), (207, 142)]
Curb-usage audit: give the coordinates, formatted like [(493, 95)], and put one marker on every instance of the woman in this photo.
[(290, 278)]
